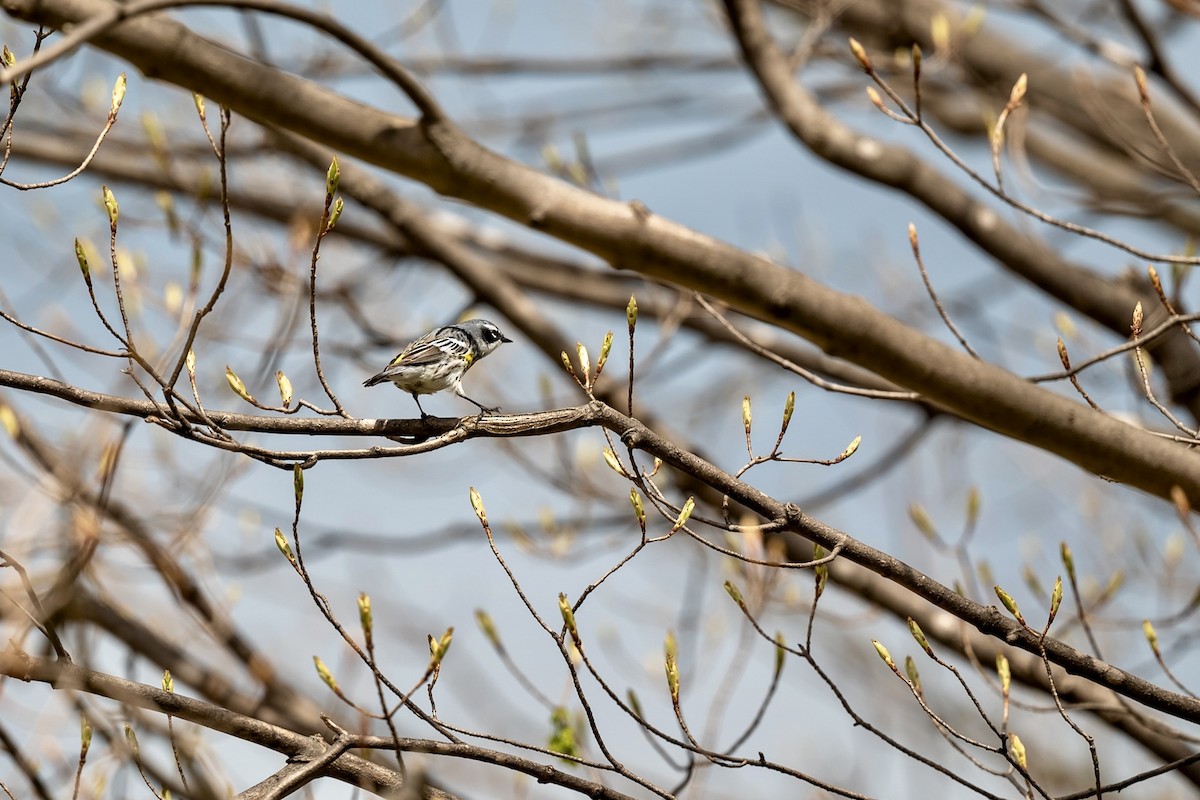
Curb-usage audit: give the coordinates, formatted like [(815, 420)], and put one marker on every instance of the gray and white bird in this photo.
[(440, 358)]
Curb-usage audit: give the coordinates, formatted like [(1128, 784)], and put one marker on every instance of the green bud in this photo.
[(562, 735), (789, 407), (736, 594), (974, 501), (1004, 672), (1151, 635), (477, 504), (883, 653), (1183, 506), (282, 543), (919, 635), (484, 620), (914, 677), (1009, 603), (365, 616), (634, 703), (118, 94), (1114, 583), (920, 518), (155, 135), (860, 54), (168, 683), (568, 617), (198, 99), (9, 421), (746, 416), (325, 674), (1032, 581), (1068, 560), (82, 259), (1017, 750), (439, 647), (338, 206), (614, 463), (235, 383), (552, 159), (566, 360), (110, 205), (850, 450), (85, 727), (636, 500), (685, 514), (1056, 596), (821, 573), (285, 388), (585, 365), (196, 264), (780, 651), (205, 184), (605, 347), (131, 739), (631, 313), (298, 482), (939, 32), (332, 176)]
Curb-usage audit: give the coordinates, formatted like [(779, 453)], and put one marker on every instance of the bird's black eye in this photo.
[(491, 334)]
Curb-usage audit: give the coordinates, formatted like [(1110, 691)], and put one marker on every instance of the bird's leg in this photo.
[(424, 416), (482, 408)]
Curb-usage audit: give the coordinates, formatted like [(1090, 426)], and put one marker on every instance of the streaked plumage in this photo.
[(440, 358)]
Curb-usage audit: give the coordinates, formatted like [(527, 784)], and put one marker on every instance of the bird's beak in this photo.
[(504, 338)]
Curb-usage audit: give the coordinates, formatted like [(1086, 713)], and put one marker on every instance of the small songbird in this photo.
[(440, 358)]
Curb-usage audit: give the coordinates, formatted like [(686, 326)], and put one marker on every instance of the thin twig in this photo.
[(325, 224), (40, 617), (94, 26), (1159, 136), (937, 303), (791, 366)]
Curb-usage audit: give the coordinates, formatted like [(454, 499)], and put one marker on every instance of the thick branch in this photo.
[(1106, 113)]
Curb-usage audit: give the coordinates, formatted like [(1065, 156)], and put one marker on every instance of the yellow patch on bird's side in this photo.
[(468, 357)]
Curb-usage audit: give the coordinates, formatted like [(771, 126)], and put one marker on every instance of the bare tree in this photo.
[(720, 492)]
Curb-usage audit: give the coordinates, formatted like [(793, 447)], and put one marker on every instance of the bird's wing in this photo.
[(430, 350)]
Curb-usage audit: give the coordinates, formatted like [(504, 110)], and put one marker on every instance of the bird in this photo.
[(439, 359)]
